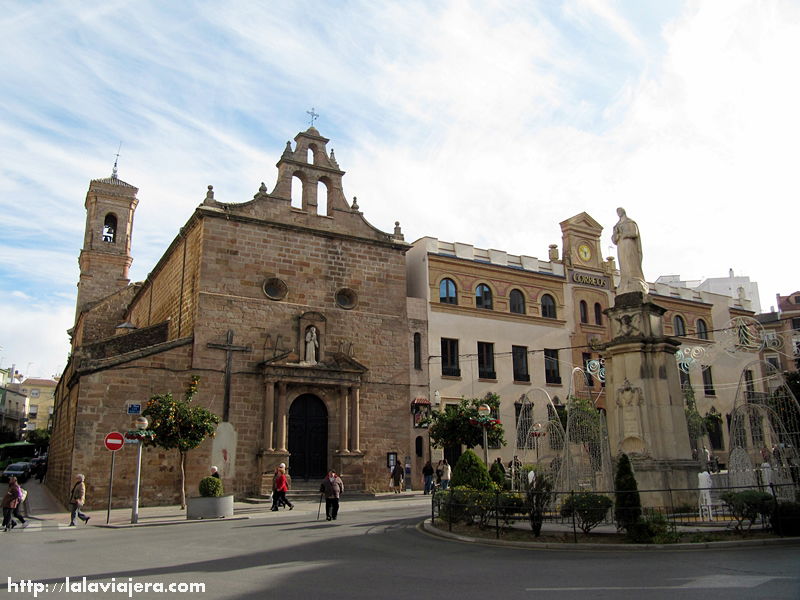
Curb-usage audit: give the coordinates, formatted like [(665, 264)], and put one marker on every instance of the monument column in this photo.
[(355, 424), (269, 415), (282, 416), (646, 418), (343, 416)]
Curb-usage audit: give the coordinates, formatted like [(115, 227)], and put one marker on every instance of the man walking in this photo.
[(332, 487)]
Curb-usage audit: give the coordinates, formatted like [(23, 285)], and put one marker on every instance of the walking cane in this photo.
[(319, 508)]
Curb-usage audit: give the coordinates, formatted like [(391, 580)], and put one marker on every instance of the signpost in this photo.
[(113, 442)]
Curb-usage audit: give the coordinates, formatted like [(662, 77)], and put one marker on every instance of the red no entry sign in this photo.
[(114, 441)]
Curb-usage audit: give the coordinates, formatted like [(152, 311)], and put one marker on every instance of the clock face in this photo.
[(584, 252)]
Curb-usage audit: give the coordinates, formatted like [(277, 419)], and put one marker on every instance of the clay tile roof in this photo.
[(40, 382), (113, 180)]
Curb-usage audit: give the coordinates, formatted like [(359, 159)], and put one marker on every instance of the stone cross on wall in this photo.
[(229, 350)]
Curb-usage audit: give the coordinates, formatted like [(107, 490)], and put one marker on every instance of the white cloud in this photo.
[(487, 123)]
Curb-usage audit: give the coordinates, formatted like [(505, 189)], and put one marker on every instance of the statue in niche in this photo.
[(629, 251), (312, 343)]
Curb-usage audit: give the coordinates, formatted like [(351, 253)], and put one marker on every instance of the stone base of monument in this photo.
[(674, 482), (213, 507)]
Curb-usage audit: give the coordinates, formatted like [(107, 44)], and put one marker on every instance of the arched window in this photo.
[(483, 297), (417, 351), (679, 325), (322, 197), (447, 292), (297, 191), (110, 229), (584, 312), (548, 307), (702, 329), (516, 302), (598, 314)]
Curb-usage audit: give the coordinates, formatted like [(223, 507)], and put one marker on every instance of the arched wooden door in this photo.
[(308, 438)]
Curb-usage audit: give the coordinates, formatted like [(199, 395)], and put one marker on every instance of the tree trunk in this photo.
[(183, 479)]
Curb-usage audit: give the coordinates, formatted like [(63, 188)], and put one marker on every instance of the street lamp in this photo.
[(141, 425), (484, 411)]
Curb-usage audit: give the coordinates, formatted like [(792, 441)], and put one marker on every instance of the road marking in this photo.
[(705, 582)]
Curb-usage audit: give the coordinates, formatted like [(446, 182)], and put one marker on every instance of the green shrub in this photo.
[(461, 503), (628, 505), (538, 498), (210, 487), (785, 519), (588, 509), (497, 473), (748, 505), (652, 528), (470, 472)]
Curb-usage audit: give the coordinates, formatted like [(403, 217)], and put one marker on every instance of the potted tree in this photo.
[(179, 424), (211, 504)]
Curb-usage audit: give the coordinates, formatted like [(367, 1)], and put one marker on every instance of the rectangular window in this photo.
[(587, 357), (519, 359), (450, 358), (774, 361), (486, 361), (551, 371), (796, 323), (708, 382)]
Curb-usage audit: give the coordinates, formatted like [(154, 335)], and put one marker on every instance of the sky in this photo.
[(485, 122)]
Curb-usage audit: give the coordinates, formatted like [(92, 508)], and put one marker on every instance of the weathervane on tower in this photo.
[(114, 170), (313, 115)]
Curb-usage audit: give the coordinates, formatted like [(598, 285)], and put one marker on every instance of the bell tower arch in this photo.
[(105, 258)]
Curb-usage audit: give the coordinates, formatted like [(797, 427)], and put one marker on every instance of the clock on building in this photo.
[(584, 252)]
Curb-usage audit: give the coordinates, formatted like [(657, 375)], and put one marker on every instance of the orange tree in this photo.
[(180, 425)]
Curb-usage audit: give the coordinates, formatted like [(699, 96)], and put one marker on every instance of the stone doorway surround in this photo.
[(336, 382)]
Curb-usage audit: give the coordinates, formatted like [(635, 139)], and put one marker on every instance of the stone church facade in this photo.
[(295, 319)]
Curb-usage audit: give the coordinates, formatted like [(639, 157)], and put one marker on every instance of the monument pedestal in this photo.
[(645, 406)]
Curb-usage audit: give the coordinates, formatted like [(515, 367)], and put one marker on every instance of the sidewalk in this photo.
[(46, 512)]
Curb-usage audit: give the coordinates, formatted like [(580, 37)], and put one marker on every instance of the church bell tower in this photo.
[(106, 254)]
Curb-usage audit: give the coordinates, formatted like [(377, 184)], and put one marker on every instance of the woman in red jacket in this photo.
[(280, 485)]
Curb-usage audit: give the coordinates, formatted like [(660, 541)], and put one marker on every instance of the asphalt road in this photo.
[(373, 552)]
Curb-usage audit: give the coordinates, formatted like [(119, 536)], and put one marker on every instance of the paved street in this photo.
[(374, 550)]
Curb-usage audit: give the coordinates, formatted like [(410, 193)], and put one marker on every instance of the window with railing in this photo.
[(486, 361), (519, 360), (450, 365), (552, 374)]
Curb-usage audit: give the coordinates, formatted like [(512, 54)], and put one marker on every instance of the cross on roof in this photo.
[(313, 115)]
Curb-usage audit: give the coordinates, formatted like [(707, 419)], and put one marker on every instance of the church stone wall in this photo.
[(104, 396), (238, 257), (170, 291)]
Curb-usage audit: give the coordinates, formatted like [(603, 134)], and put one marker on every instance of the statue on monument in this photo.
[(629, 251), (311, 345)]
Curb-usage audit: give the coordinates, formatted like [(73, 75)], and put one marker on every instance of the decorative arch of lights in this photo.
[(742, 335), (585, 461), (765, 436), (538, 441)]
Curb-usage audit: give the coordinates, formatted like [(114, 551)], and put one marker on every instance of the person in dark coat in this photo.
[(397, 478), (215, 472), (427, 474), (332, 487)]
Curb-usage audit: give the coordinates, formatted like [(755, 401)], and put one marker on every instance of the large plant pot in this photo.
[(203, 507)]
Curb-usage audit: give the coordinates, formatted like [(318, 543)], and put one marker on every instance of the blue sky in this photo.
[(481, 122)]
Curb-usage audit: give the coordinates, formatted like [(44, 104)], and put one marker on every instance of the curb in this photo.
[(162, 523), (426, 527)]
